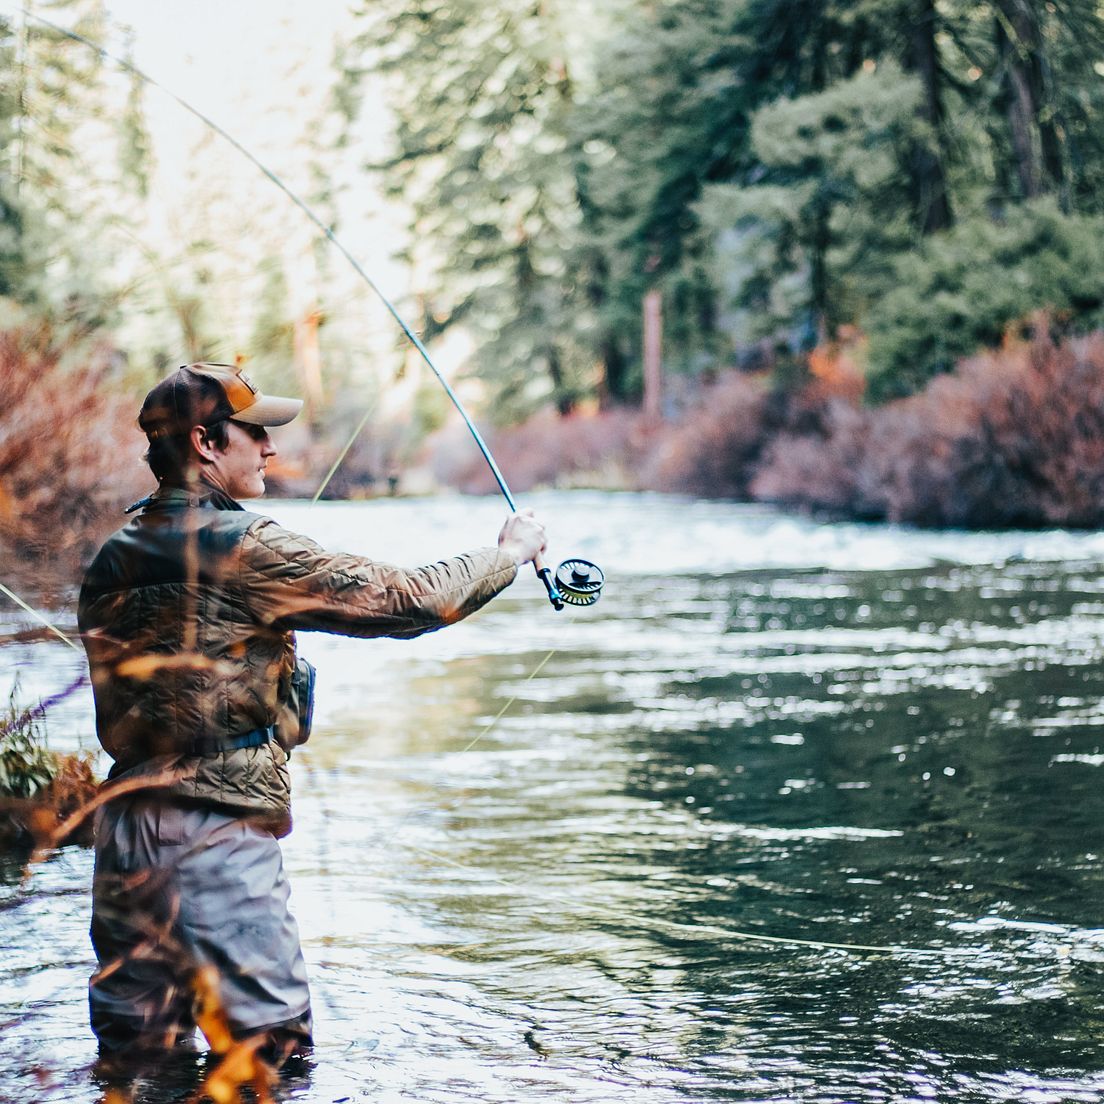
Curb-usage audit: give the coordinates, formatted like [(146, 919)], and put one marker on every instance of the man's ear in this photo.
[(201, 444)]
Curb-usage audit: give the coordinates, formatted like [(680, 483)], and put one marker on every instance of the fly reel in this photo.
[(579, 582), (576, 583)]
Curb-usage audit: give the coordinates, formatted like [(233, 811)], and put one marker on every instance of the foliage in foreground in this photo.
[(39, 788)]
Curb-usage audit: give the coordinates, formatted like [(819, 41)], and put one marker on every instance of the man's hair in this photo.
[(170, 456)]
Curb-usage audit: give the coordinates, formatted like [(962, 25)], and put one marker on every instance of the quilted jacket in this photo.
[(188, 616)]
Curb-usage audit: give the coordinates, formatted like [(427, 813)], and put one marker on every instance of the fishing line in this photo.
[(587, 578), (581, 581), (671, 925), (556, 596), (415, 812), (341, 455), (498, 716), (38, 617)]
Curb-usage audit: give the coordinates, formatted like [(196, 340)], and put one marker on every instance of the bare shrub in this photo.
[(715, 449), (70, 452), (583, 449), (825, 471), (1012, 438)]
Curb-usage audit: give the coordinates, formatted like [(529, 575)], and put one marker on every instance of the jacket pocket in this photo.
[(171, 825)]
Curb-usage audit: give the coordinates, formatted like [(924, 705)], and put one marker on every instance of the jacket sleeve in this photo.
[(290, 582)]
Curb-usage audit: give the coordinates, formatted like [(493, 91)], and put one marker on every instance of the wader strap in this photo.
[(212, 745)]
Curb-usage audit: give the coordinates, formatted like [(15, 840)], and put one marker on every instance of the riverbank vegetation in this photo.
[(39, 788), (69, 456), (1013, 438)]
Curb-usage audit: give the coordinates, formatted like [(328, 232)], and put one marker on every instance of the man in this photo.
[(188, 617)]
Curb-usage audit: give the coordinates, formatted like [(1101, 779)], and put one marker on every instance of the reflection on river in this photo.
[(766, 727)]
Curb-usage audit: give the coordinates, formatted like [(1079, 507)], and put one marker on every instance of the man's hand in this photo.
[(522, 537)]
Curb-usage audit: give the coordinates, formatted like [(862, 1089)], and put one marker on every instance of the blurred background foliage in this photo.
[(925, 171), (835, 202)]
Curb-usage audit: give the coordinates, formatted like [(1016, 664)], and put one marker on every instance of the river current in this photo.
[(797, 812)]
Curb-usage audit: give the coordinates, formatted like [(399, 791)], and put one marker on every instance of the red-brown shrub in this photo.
[(70, 453), (824, 470), (715, 448), (594, 450), (1012, 438)]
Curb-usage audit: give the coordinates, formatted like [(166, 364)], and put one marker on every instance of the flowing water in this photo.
[(767, 730)]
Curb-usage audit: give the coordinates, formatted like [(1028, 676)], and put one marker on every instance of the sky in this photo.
[(255, 68), (224, 55)]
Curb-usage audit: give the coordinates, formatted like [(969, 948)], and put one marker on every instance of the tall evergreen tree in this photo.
[(12, 245), (483, 97), (830, 202), (674, 112), (78, 156)]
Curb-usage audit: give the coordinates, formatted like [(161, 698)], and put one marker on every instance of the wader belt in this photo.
[(212, 745), (202, 745)]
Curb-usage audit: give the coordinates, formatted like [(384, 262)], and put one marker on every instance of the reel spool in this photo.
[(579, 582)]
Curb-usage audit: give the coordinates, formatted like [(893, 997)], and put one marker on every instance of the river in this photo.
[(768, 730)]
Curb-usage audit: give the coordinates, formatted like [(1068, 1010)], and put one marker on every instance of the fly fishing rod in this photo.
[(577, 582)]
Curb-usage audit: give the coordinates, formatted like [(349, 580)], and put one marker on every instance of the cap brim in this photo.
[(269, 410)]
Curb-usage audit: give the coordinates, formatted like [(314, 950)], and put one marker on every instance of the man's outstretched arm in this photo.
[(290, 581)]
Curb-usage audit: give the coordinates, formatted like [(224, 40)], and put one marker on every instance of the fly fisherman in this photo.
[(188, 617)]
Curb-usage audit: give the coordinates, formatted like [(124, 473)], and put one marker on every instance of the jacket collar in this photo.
[(200, 495)]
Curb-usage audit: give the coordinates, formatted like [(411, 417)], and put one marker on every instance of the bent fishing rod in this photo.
[(577, 582)]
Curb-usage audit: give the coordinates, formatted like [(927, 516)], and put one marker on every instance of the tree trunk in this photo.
[(1019, 102), (1050, 135), (1036, 135), (613, 385), (653, 355), (819, 290), (929, 180), (565, 403), (307, 356)]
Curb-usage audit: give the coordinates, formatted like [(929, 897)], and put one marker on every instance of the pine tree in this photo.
[(829, 204), (483, 95), (768, 167), (78, 158), (12, 244), (673, 117)]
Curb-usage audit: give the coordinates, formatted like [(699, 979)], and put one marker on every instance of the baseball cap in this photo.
[(202, 394)]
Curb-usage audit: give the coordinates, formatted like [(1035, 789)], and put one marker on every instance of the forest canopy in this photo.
[(925, 172)]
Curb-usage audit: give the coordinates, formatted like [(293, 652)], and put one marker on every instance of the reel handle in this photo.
[(545, 576)]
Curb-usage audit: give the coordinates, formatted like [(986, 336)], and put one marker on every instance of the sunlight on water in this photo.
[(766, 728)]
